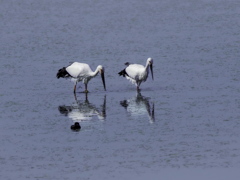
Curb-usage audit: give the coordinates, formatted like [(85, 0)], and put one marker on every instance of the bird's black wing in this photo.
[(62, 73), (127, 63), (123, 73)]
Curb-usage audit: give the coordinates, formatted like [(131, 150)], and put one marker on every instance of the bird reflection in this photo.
[(83, 111), (139, 105)]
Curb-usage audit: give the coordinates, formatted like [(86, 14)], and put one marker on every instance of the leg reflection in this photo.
[(82, 110)]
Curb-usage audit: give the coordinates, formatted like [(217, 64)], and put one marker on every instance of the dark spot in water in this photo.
[(76, 126)]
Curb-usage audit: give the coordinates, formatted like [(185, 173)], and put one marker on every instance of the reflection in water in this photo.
[(139, 105), (83, 111)]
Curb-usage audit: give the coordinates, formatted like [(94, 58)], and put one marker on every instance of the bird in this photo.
[(76, 126), (137, 73), (81, 72)]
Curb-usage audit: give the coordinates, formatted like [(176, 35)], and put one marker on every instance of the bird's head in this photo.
[(100, 69), (150, 63)]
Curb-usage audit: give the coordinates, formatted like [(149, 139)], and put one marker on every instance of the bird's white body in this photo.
[(137, 73), (81, 72)]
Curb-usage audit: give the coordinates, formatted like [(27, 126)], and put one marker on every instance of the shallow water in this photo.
[(184, 124)]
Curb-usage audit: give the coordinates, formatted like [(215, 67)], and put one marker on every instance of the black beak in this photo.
[(151, 68), (103, 80)]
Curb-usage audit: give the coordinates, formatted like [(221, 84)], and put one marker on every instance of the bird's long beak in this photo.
[(103, 79), (151, 68)]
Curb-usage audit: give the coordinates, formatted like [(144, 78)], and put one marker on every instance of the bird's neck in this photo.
[(147, 66), (94, 73)]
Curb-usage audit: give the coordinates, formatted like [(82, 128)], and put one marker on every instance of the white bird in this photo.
[(81, 72), (137, 73)]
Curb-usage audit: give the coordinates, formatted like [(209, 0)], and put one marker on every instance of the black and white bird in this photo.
[(137, 73), (81, 72)]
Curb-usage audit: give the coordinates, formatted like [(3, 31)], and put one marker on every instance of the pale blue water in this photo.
[(183, 125)]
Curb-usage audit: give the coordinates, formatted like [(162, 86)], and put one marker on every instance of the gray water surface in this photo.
[(184, 124)]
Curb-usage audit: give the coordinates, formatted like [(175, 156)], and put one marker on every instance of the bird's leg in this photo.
[(86, 91), (138, 85), (138, 89), (74, 90)]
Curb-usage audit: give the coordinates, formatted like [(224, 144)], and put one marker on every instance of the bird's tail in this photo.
[(62, 73), (123, 73)]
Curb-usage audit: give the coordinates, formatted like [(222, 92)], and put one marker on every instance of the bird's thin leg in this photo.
[(86, 91), (138, 85), (74, 90)]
